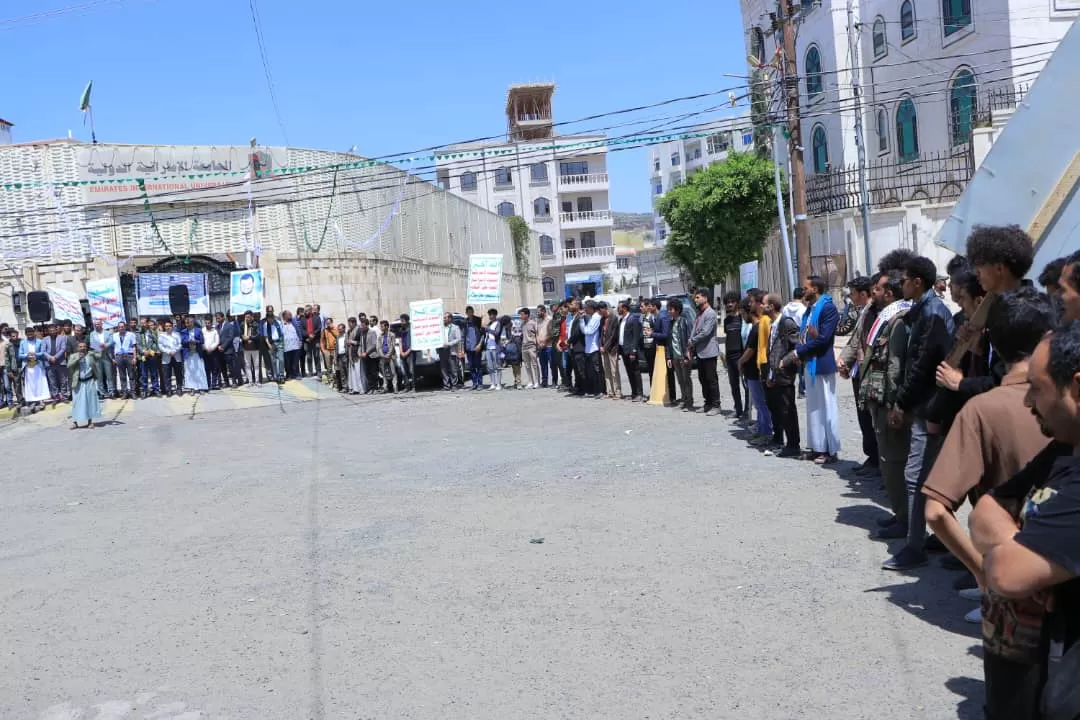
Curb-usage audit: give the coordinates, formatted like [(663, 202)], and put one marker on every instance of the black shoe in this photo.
[(934, 545), (886, 521), (906, 559), (789, 452), (895, 531)]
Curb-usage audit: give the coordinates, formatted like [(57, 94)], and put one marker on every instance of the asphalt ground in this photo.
[(381, 557)]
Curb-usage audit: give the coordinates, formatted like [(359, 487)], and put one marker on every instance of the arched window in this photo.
[(503, 177), (547, 245), (468, 180), (757, 44), (882, 130), (907, 20), (541, 207), (881, 46), (813, 72), (506, 209), (955, 15), (538, 172), (907, 131), (819, 142), (549, 285), (962, 106)]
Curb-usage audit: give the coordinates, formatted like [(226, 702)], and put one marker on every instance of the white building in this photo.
[(557, 183), (939, 78), (326, 227), (671, 162)]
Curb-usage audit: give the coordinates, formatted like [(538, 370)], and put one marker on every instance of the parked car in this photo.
[(427, 361)]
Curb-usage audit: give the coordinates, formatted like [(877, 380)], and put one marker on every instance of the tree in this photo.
[(519, 234), (720, 218)]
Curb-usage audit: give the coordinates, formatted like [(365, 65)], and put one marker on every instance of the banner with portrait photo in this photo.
[(246, 292)]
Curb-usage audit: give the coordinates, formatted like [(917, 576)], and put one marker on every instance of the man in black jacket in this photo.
[(575, 339), (630, 339), (228, 333), (780, 380), (930, 332)]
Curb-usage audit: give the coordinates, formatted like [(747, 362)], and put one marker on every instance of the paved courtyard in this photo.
[(264, 556)]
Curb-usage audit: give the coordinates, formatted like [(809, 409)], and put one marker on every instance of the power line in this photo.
[(257, 24)]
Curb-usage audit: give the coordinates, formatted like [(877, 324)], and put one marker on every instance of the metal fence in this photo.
[(933, 177)]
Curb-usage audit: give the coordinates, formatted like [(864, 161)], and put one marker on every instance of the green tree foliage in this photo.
[(519, 233), (720, 218)]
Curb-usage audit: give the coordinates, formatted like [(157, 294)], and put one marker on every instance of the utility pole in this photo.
[(798, 173), (860, 138)]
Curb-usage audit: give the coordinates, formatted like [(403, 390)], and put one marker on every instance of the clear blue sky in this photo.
[(386, 77)]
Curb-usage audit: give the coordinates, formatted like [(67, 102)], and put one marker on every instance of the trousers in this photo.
[(764, 417), (108, 374), (612, 376), (494, 367), (683, 371), (921, 456), (785, 416), (544, 358), (633, 373), (866, 427), (735, 382), (893, 448), (710, 383), (476, 367), (312, 357), (125, 371), (530, 360)]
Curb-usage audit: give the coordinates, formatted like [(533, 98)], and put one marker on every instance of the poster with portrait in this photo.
[(246, 292)]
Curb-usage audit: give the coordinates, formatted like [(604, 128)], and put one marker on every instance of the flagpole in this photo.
[(93, 135)]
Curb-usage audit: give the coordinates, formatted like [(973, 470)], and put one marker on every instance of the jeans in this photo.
[(556, 367), (684, 377), (544, 358), (151, 369), (921, 456), (125, 370), (569, 369), (277, 361), (108, 374), (311, 355), (386, 369), (893, 448), (494, 367), (59, 381), (735, 382), (234, 361), (757, 396), (408, 369), (710, 383), (6, 396), (476, 367)]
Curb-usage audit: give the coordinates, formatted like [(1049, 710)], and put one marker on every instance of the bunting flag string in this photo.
[(356, 165), (149, 211)]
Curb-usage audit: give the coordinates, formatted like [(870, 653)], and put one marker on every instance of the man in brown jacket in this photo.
[(609, 351)]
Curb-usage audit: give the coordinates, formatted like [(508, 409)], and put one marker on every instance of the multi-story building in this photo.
[(671, 162), (557, 183), (939, 79)]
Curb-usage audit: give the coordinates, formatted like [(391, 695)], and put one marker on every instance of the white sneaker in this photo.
[(498, 387), (493, 387), (975, 616), (971, 593)]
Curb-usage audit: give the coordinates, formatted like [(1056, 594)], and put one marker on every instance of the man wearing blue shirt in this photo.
[(123, 344)]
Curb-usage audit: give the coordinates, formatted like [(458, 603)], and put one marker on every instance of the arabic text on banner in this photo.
[(153, 292), (246, 292), (66, 306), (426, 318), (485, 278), (106, 303)]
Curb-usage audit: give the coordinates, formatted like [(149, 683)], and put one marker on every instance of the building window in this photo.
[(675, 159), (547, 245), (503, 177), (588, 239), (468, 180), (506, 209), (820, 144), (662, 234), (538, 172), (584, 204), (813, 72), (659, 189), (907, 131), (541, 207), (549, 285), (955, 15), (622, 263), (717, 143), (675, 179), (574, 167), (748, 138), (907, 20), (881, 46), (758, 44), (656, 164), (443, 177), (962, 107), (882, 131)]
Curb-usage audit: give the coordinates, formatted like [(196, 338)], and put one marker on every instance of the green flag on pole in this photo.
[(84, 101)]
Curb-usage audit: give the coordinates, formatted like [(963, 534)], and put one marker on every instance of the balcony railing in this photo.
[(602, 253), (585, 217), (935, 178), (590, 179), (542, 218)]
